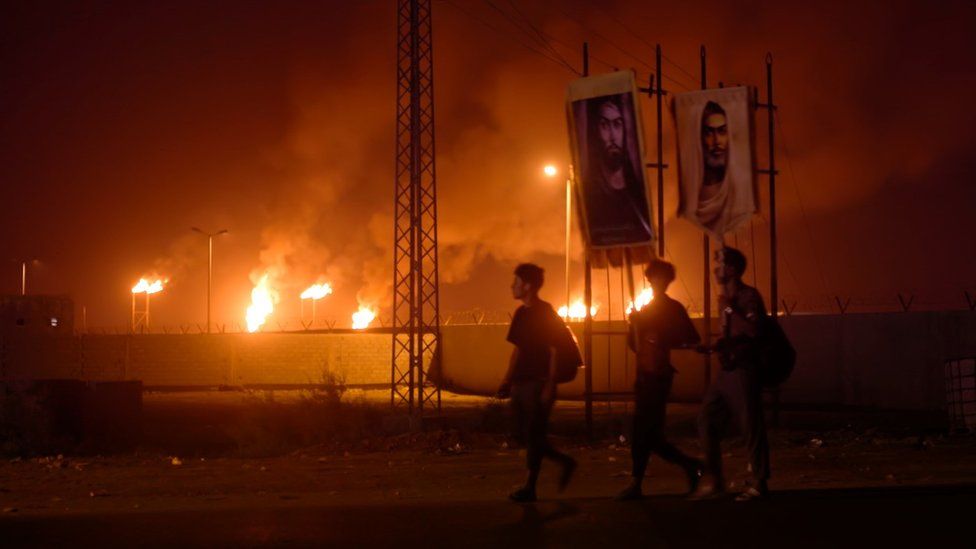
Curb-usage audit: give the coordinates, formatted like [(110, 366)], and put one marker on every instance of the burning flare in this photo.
[(263, 299), (362, 318), (317, 291), (645, 297), (146, 287), (576, 311)]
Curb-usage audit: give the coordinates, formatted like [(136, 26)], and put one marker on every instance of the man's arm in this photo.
[(556, 327), (687, 335), (506, 385), (549, 389), (745, 313)]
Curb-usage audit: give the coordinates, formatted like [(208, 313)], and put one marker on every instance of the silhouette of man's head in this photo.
[(528, 279), (715, 136), (731, 264), (660, 274)]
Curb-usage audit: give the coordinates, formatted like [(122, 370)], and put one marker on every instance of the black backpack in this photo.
[(568, 358), (777, 357)]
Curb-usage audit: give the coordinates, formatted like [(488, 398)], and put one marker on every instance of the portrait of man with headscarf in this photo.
[(715, 158)]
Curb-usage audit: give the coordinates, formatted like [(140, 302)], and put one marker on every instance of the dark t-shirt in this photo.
[(664, 322), (748, 303), (739, 345), (534, 332)]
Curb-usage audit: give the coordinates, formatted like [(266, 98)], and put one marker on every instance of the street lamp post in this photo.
[(210, 237), (23, 272), (551, 171)]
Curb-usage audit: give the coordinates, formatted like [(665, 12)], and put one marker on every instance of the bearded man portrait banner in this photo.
[(607, 145), (716, 163)]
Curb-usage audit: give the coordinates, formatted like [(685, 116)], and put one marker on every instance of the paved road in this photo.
[(916, 517)]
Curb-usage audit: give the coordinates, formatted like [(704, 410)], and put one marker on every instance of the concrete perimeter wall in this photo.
[(890, 360), (201, 360), (893, 360)]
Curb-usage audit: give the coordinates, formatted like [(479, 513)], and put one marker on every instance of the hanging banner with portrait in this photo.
[(607, 144), (716, 158)]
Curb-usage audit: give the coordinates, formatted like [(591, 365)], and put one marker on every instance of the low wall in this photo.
[(201, 360), (892, 360)]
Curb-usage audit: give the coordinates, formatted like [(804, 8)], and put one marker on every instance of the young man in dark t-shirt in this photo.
[(736, 392), (529, 380), (655, 330)]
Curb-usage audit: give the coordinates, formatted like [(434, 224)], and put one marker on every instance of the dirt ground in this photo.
[(217, 451)]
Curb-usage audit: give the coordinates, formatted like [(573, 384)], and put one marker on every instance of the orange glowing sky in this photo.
[(124, 125)]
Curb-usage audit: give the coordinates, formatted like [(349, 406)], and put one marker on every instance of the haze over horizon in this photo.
[(125, 125)]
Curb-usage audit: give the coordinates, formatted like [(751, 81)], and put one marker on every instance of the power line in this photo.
[(539, 39), (561, 64), (618, 47), (541, 36), (799, 198), (645, 42), (547, 39)]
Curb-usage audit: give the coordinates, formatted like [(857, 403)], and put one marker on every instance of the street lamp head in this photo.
[(205, 233), (550, 170)]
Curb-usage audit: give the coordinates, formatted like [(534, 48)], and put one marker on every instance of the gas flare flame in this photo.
[(263, 299), (317, 291), (576, 311), (643, 298), (146, 287), (362, 318)]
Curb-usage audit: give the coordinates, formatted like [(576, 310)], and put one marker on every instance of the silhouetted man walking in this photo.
[(530, 377), (655, 330), (737, 391)]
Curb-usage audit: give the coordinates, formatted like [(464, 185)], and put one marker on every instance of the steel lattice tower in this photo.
[(416, 302)]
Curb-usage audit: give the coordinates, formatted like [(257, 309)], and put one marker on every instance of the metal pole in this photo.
[(209, 277), (210, 236), (660, 156), (586, 58), (629, 266), (416, 323), (588, 298), (588, 342), (706, 286), (569, 214), (23, 278), (773, 280)]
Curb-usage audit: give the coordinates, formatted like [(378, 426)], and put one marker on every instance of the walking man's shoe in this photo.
[(568, 469), (753, 493), (630, 493), (714, 490), (694, 474)]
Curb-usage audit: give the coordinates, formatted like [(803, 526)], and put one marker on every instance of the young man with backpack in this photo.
[(655, 330), (530, 381), (736, 393)]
